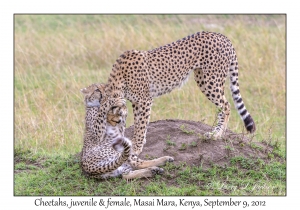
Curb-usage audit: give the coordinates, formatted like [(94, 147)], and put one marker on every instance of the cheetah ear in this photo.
[(84, 90)]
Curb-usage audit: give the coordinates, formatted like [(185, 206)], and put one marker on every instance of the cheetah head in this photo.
[(93, 94)]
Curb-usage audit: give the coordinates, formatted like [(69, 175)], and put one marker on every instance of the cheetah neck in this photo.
[(112, 132), (91, 116), (92, 127), (91, 123), (115, 86)]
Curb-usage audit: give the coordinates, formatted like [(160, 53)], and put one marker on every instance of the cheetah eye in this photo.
[(97, 90)]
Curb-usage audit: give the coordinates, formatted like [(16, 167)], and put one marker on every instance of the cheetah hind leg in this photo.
[(143, 173), (220, 128), (214, 94)]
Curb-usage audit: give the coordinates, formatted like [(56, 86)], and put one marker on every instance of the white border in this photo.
[(8, 201)]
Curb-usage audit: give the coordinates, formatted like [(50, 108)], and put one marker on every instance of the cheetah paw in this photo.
[(127, 171), (157, 170), (120, 102), (170, 159), (211, 136)]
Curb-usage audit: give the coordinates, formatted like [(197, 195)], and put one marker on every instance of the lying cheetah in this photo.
[(108, 157), (140, 76)]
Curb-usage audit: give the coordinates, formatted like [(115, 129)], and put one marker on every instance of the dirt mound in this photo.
[(184, 141)]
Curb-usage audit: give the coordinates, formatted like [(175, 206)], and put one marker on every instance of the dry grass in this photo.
[(57, 55)]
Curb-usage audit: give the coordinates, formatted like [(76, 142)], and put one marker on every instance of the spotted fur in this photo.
[(140, 76), (110, 156), (100, 158)]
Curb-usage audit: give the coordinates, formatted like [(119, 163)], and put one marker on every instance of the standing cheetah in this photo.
[(140, 76), (108, 157)]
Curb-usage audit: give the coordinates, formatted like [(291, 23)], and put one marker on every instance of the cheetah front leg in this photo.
[(141, 112), (138, 163), (143, 173)]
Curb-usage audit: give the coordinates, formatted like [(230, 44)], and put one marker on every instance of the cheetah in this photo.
[(140, 76), (108, 157)]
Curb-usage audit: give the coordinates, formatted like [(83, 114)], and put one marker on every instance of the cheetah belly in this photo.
[(112, 133), (160, 87)]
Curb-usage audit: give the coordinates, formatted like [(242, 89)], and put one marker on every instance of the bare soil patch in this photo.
[(184, 141)]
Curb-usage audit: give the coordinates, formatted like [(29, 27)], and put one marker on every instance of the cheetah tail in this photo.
[(122, 145), (237, 98)]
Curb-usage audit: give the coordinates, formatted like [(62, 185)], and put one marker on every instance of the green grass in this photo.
[(183, 146), (193, 144), (185, 130), (60, 175), (169, 142), (57, 55)]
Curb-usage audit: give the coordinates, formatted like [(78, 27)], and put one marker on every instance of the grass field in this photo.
[(57, 55)]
